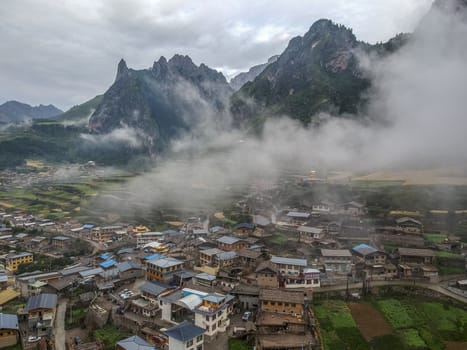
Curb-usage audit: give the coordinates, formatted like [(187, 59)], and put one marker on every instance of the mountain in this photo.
[(242, 78), (161, 102), (81, 113), (17, 112), (317, 72)]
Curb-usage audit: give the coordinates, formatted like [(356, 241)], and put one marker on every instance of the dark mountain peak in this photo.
[(122, 69), (14, 111), (183, 64)]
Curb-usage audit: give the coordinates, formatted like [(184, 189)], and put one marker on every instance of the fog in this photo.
[(415, 120)]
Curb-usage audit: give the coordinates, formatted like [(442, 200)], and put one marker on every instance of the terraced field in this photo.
[(392, 324)]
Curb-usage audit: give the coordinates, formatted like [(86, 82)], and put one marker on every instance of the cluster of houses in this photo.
[(188, 284)]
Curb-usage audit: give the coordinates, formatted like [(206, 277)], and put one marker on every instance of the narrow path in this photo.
[(60, 326)]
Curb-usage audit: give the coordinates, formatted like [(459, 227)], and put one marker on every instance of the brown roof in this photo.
[(281, 295), (416, 252), (336, 252), (267, 265), (247, 253)]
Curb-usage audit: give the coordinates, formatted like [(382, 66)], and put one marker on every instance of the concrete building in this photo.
[(163, 269), (289, 266), (41, 313), (61, 242), (13, 261), (185, 336)]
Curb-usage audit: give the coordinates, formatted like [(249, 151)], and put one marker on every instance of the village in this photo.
[(200, 284)]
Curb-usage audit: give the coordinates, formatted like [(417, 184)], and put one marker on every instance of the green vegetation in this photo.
[(396, 313), (278, 238), (75, 317), (449, 255), (450, 322), (110, 335), (412, 338), (435, 237), (417, 323), (44, 263), (237, 344), (338, 328)]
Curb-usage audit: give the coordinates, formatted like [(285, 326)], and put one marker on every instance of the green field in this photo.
[(338, 328), (417, 324), (435, 237)]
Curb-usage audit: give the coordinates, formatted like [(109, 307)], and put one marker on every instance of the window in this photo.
[(199, 347), (199, 338), (189, 343)]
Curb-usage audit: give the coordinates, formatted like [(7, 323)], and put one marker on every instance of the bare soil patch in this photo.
[(456, 345), (369, 320)]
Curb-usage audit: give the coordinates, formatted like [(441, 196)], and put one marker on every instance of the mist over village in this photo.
[(200, 175)]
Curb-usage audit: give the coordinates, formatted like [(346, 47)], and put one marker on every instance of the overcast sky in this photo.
[(65, 52)]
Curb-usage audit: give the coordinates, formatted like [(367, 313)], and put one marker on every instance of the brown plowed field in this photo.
[(453, 345), (369, 320)]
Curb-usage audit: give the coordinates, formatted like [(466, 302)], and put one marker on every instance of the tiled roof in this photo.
[(184, 331)]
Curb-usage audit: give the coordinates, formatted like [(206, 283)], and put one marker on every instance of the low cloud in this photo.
[(124, 135), (416, 120)]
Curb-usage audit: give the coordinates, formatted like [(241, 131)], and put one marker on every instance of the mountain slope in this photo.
[(317, 72), (242, 78), (81, 112), (17, 112), (160, 102)]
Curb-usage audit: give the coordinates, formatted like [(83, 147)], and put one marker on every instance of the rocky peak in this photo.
[(122, 69)]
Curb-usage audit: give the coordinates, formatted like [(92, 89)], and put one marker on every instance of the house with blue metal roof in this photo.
[(134, 343), (107, 264), (185, 336), (41, 313)]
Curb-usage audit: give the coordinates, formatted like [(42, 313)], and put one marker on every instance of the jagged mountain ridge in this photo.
[(161, 101), (316, 72), (17, 112), (242, 78)]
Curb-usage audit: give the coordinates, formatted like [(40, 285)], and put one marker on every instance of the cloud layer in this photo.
[(416, 120)]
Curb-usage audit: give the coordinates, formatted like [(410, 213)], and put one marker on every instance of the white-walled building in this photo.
[(185, 336)]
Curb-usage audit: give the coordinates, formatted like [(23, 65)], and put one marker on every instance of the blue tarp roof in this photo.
[(108, 263), (154, 256), (105, 256)]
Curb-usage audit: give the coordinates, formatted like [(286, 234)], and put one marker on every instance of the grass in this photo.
[(412, 338), (435, 237), (449, 255), (237, 344), (396, 313), (450, 322), (77, 318), (451, 270), (110, 335), (338, 328), (278, 238)]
